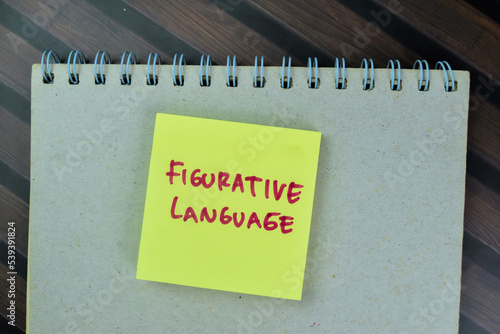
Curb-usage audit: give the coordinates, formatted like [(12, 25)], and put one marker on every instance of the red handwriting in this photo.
[(225, 218), (224, 181), (237, 182)]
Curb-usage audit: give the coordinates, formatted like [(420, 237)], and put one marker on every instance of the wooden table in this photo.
[(465, 33)]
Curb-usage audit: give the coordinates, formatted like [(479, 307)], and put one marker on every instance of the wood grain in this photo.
[(338, 31), (210, 29), (470, 34), (19, 63), (15, 143), (484, 133), (480, 296), (14, 209), (72, 21), (482, 213)]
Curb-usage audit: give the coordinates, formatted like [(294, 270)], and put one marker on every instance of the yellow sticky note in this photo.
[(228, 206)]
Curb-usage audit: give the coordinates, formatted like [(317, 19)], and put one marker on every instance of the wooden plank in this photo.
[(338, 31), (14, 209), (464, 30), (71, 22), (490, 8), (15, 143), (467, 326), (484, 136), (16, 66), (20, 296), (210, 29), (482, 213), (480, 299)]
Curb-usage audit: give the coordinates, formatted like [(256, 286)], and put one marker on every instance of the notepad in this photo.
[(376, 244)]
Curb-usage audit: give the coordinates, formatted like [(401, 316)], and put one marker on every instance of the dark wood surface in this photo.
[(465, 33)]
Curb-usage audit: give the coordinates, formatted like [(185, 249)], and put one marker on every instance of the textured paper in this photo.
[(228, 205), (385, 242)]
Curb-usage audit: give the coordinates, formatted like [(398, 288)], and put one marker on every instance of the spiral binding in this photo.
[(152, 77), (288, 77), (74, 55), (47, 55), (258, 81), (447, 68), (340, 83), (395, 86), (103, 58), (423, 85), (313, 82), (368, 81), (127, 78), (100, 78), (205, 79), (231, 80), (178, 78)]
